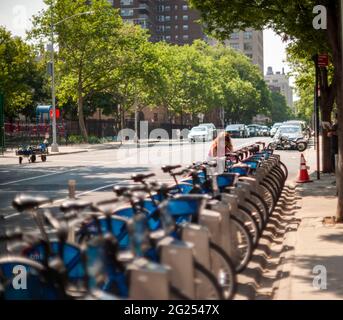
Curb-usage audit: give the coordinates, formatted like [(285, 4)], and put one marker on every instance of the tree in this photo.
[(91, 47), (280, 111), (293, 20), (21, 75)]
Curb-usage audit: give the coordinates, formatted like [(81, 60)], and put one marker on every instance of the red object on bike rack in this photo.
[(303, 176)]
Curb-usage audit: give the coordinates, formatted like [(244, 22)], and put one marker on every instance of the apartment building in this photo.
[(167, 20), (279, 81), (175, 22), (249, 42)]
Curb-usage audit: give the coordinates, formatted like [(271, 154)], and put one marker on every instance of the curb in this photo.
[(88, 150), (65, 153)]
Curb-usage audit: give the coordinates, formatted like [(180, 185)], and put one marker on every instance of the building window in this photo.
[(234, 36), (176, 27), (167, 8), (248, 46), (235, 46), (176, 17), (185, 27), (160, 18), (184, 7), (126, 12), (176, 7), (185, 18), (167, 18), (168, 38), (125, 2), (275, 81), (167, 28), (185, 37), (249, 55), (248, 35)]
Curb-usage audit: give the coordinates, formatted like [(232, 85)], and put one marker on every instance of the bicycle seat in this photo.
[(24, 202), (167, 169), (71, 205), (140, 177)]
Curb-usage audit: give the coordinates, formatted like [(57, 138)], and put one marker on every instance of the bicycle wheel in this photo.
[(259, 201), (223, 269), (176, 294), (271, 180), (268, 197), (256, 213), (205, 284), (250, 223), (284, 169), (244, 245), (271, 188)]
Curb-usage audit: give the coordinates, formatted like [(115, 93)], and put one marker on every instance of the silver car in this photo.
[(199, 134)]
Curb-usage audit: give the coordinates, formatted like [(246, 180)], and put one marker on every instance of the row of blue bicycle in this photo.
[(186, 240)]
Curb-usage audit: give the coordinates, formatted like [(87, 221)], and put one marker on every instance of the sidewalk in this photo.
[(312, 243)]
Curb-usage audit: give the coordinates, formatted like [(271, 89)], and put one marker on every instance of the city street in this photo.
[(95, 172)]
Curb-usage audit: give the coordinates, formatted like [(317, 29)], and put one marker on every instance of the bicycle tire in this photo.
[(256, 212), (224, 270), (272, 189), (176, 294), (284, 168), (243, 252), (277, 187), (205, 284), (263, 205), (269, 197), (250, 222)]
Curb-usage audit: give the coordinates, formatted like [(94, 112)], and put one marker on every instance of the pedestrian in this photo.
[(221, 146), (333, 134)]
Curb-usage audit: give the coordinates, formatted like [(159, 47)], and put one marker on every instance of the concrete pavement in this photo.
[(313, 262)]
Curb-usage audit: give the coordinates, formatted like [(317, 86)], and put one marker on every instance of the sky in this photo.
[(15, 15)]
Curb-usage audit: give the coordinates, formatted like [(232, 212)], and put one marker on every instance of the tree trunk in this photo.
[(335, 40), (81, 116), (122, 117)]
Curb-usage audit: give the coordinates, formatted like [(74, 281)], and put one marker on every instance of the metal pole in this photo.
[(316, 114), (54, 146)]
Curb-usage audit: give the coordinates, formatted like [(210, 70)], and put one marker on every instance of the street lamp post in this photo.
[(54, 146)]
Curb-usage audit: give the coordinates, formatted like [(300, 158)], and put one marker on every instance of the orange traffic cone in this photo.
[(303, 176)]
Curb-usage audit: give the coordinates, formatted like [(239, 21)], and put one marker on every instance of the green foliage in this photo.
[(75, 139), (103, 63), (280, 111), (93, 140), (21, 75)]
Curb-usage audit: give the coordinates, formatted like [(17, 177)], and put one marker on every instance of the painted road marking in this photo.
[(38, 177)]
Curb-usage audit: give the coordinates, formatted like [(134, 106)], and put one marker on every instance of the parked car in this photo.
[(304, 127), (254, 130), (212, 129), (292, 132), (265, 131), (274, 128), (238, 130), (199, 134)]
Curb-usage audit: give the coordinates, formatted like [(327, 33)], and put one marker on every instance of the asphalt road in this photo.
[(96, 172)]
